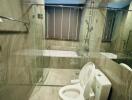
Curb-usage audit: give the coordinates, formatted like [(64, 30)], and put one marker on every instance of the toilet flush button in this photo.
[(99, 75)]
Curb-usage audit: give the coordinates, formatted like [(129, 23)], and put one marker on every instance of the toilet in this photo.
[(126, 66), (82, 88)]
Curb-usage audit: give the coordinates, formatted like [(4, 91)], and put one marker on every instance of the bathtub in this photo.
[(55, 58), (109, 55), (50, 53), (60, 53)]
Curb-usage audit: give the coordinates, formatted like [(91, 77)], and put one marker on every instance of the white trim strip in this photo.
[(61, 23), (69, 24), (54, 22), (77, 24), (47, 25)]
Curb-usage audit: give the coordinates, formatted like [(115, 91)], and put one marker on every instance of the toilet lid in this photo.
[(86, 75)]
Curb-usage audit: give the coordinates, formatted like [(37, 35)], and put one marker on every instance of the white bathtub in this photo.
[(50, 53), (59, 53), (109, 55)]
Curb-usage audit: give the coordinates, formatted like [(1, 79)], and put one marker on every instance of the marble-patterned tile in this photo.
[(59, 77), (56, 78), (45, 93)]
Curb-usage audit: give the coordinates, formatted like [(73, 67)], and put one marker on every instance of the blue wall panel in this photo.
[(120, 4), (65, 1)]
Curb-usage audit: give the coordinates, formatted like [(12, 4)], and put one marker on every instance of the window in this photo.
[(63, 23), (109, 25)]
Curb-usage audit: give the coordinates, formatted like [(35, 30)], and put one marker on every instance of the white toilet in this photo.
[(82, 88), (126, 66)]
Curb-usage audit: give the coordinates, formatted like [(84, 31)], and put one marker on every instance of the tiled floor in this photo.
[(52, 79), (45, 93)]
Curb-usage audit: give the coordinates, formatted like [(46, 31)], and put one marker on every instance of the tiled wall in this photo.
[(91, 29), (61, 45), (11, 9), (120, 33)]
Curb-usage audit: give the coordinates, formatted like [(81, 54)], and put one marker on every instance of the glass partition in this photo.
[(30, 63)]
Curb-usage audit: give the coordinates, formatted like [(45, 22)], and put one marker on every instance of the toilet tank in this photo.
[(102, 86)]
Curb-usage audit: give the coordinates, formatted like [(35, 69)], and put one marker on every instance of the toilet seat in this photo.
[(77, 91), (71, 92)]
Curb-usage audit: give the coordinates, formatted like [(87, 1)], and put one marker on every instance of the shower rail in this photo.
[(16, 20)]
